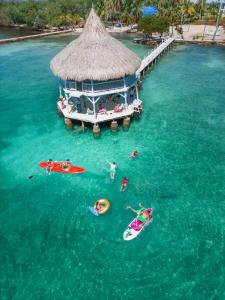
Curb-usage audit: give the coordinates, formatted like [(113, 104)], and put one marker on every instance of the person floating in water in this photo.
[(112, 169), (66, 165), (143, 215), (134, 154), (99, 206), (124, 184), (49, 166)]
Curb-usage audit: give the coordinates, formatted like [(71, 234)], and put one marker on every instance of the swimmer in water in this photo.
[(124, 184), (134, 154), (112, 170)]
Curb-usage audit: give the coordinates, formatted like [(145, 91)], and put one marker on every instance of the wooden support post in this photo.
[(96, 130), (126, 122), (114, 126), (68, 123), (82, 126)]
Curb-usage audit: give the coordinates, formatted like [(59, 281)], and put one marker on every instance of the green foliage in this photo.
[(40, 13), (151, 24)]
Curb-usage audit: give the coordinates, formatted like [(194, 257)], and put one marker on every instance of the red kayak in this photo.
[(58, 168)]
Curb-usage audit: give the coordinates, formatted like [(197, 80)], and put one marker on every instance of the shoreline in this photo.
[(33, 36), (192, 35), (200, 42)]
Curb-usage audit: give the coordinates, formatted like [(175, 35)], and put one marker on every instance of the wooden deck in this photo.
[(153, 55), (100, 117), (110, 114)]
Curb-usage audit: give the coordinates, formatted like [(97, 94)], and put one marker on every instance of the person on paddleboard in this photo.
[(112, 170), (49, 166), (134, 154), (124, 184), (66, 165), (143, 215)]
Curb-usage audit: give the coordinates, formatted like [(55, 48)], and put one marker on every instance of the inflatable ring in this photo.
[(103, 204)]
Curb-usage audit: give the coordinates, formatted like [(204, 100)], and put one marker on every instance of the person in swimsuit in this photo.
[(99, 206), (134, 154), (61, 99), (49, 166), (143, 215), (124, 184), (112, 170), (66, 165)]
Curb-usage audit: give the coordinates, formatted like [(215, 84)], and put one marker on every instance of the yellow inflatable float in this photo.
[(101, 206)]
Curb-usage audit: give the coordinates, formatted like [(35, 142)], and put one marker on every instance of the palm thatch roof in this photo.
[(94, 55)]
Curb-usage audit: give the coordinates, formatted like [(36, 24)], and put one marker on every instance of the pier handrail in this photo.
[(151, 56)]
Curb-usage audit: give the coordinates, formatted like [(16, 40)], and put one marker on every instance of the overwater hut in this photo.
[(98, 79)]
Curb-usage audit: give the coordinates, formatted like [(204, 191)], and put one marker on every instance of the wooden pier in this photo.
[(151, 58), (33, 36)]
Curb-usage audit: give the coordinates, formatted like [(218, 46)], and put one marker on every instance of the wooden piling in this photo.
[(68, 123), (114, 126), (126, 122), (96, 130), (82, 126)]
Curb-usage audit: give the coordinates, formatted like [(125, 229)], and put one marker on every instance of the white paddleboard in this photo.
[(134, 229)]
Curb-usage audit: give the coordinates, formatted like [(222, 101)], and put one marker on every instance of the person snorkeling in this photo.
[(124, 184), (49, 166), (143, 215), (112, 170)]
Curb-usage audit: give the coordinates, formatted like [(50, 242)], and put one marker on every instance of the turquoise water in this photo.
[(6, 32), (51, 246)]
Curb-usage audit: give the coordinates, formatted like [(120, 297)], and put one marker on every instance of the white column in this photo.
[(124, 81), (125, 98), (137, 92), (92, 88), (93, 102)]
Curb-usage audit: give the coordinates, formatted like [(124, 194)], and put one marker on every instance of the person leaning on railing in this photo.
[(118, 107), (102, 109), (62, 102)]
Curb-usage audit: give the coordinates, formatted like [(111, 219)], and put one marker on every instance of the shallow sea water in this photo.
[(6, 32), (51, 246)]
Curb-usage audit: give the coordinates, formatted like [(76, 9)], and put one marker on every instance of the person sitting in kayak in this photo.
[(134, 154), (143, 215), (124, 184), (49, 166), (112, 169), (66, 165)]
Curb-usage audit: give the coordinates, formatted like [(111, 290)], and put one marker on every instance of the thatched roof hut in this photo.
[(94, 55)]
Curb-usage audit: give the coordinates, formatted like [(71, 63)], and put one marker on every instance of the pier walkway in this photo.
[(33, 36), (153, 55)]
